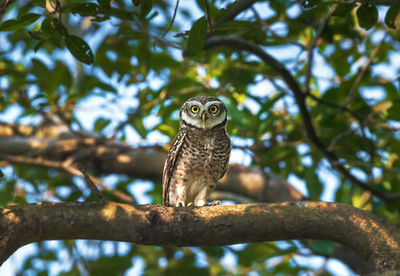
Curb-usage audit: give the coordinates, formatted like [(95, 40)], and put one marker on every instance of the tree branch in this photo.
[(172, 20), (337, 106), (371, 237), (93, 188), (4, 6), (52, 148), (299, 96), (364, 69), (234, 10), (310, 51), (68, 168)]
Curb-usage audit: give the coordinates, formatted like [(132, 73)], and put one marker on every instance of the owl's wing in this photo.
[(226, 159), (170, 164)]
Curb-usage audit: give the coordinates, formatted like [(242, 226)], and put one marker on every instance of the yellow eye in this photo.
[(195, 109), (213, 109)]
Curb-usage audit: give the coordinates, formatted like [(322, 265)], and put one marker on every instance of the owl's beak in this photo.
[(203, 117)]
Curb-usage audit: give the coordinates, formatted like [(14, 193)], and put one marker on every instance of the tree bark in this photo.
[(373, 238)]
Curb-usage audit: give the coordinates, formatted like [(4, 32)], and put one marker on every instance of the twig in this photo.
[(131, 116), (310, 52), (68, 168), (208, 16), (172, 21), (364, 70), (273, 33), (117, 194), (234, 10), (90, 184), (299, 96), (338, 106), (159, 40), (5, 5), (338, 137)]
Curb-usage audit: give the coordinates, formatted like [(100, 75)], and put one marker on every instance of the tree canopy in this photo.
[(89, 97)]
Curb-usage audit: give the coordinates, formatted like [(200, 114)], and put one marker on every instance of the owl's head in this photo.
[(203, 112)]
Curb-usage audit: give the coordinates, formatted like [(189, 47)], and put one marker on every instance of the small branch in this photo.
[(299, 96), (5, 5), (208, 16), (364, 69), (310, 52), (273, 33), (68, 168), (131, 116), (90, 184), (234, 10), (376, 240), (337, 106), (172, 21)]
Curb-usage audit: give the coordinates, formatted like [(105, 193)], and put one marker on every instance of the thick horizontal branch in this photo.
[(371, 237)]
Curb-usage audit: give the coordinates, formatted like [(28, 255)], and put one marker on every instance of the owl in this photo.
[(199, 155)]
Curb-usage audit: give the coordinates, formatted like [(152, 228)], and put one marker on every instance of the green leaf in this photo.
[(115, 265), (48, 25), (101, 123), (84, 9), (145, 8), (104, 3), (21, 22), (391, 15), (139, 127), (367, 15), (7, 192), (394, 111), (79, 49), (62, 75), (197, 36), (314, 187), (42, 74), (324, 248)]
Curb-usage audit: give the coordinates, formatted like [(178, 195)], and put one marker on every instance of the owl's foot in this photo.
[(180, 204), (215, 203)]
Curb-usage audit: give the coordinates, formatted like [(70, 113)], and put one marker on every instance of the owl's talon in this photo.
[(180, 204), (215, 203), (190, 204)]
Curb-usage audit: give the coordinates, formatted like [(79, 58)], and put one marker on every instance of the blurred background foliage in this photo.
[(123, 68)]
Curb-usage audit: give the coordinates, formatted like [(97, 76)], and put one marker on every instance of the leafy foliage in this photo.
[(124, 80)]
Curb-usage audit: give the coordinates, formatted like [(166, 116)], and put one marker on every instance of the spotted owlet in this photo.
[(199, 155)]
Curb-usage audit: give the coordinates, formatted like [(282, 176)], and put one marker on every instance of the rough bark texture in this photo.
[(371, 237)]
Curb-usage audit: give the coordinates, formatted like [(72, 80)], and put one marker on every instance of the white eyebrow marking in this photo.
[(199, 104), (212, 103)]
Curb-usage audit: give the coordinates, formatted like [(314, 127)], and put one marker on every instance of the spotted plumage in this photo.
[(199, 155)]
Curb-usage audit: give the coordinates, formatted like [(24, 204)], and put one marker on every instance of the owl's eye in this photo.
[(195, 109), (213, 109)]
